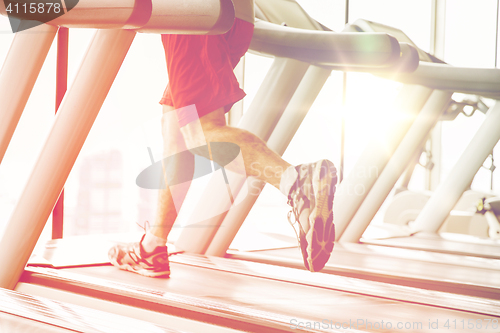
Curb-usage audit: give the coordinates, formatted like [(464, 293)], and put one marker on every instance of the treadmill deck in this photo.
[(259, 297)]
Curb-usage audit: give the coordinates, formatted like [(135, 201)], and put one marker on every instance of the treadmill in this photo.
[(453, 266), (240, 295), (435, 74)]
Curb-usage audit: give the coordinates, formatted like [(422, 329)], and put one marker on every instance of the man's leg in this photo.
[(259, 160), (171, 198), (310, 188), (149, 256)]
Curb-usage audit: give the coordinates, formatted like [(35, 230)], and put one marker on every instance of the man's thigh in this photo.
[(196, 132)]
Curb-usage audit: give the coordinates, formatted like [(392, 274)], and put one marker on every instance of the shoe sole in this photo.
[(321, 235)]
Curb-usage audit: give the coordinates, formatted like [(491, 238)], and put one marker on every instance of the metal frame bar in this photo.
[(61, 87), (344, 100), (497, 34), (438, 30), (413, 140), (448, 193), (18, 76), (438, 27), (355, 186), (71, 127)]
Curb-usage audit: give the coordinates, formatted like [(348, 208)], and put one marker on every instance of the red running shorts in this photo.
[(200, 70)]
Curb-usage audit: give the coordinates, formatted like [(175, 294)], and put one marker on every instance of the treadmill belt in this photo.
[(435, 243), (25, 313), (244, 300), (471, 276)]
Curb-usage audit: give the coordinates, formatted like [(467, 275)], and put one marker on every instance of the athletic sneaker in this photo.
[(311, 198), (132, 257)]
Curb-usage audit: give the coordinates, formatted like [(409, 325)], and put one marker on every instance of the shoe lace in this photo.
[(295, 213), (144, 227)]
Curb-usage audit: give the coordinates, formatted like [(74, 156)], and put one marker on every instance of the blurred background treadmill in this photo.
[(475, 271)]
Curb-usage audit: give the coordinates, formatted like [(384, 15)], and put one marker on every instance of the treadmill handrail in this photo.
[(154, 16), (407, 63), (376, 50), (479, 81)]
